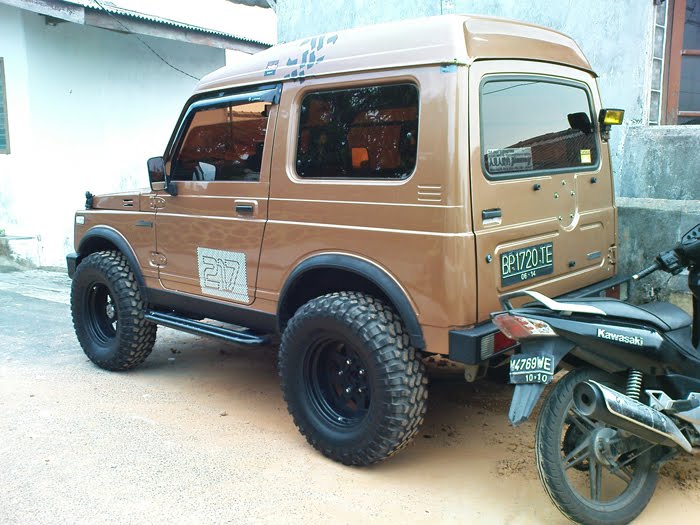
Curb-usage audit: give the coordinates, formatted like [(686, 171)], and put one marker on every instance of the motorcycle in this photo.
[(631, 401)]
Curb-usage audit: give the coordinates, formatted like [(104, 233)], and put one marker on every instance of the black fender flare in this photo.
[(373, 273), (112, 236)]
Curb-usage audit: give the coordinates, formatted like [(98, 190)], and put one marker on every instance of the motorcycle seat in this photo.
[(669, 313), (664, 316)]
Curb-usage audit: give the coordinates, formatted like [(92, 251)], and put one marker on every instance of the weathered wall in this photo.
[(645, 228), (87, 107), (13, 51), (613, 35), (301, 18), (662, 162)]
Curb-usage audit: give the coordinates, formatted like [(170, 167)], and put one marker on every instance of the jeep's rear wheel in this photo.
[(108, 312), (353, 384)]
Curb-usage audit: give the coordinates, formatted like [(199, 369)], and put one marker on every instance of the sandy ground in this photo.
[(200, 434)]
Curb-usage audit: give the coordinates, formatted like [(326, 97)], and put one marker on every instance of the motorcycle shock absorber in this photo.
[(634, 384)]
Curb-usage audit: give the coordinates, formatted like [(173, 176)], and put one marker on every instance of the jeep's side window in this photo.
[(223, 143), (359, 133), (531, 125)]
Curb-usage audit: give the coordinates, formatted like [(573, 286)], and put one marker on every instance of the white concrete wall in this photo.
[(13, 52), (615, 37), (87, 107)]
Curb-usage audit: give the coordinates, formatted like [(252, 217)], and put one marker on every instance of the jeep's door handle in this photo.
[(493, 213), (246, 207)]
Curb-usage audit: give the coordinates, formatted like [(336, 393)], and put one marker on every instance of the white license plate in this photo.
[(531, 369)]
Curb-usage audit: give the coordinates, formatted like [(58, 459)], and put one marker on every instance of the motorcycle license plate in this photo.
[(527, 263), (531, 369)]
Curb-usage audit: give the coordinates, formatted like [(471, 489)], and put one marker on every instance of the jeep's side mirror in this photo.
[(580, 122), (156, 173)]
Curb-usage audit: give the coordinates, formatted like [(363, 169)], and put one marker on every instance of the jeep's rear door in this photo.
[(208, 236), (541, 186)]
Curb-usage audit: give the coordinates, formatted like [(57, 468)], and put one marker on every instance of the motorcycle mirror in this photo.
[(690, 243)]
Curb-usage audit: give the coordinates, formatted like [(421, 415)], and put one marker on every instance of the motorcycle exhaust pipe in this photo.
[(620, 411)]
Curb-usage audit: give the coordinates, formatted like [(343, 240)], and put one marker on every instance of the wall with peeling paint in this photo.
[(86, 108), (615, 36)]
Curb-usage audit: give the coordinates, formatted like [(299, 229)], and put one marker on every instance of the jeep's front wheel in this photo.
[(108, 312), (352, 382)]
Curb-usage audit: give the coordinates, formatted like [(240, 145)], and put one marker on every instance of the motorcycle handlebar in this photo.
[(646, 271)]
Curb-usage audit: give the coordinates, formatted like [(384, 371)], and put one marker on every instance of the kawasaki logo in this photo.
[(628, 339)]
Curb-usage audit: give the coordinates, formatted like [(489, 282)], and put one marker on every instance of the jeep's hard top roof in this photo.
[(448, 39)]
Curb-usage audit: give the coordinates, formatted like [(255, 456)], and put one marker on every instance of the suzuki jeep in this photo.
[(367, 195)]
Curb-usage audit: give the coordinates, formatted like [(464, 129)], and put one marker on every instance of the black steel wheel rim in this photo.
[(336, 381), (101, 313), (581, 437)]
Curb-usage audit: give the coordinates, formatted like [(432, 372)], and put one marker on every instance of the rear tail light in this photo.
[(494, 343), (517, 327)]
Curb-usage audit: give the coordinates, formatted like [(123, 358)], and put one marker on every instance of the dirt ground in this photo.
[(200, 434)]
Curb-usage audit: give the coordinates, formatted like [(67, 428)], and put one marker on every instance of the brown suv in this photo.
[(368, 195)]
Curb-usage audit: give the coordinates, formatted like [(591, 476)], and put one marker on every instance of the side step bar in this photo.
[(191, 326)]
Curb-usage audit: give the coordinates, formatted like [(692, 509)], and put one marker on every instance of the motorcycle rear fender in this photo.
[(525, 396)]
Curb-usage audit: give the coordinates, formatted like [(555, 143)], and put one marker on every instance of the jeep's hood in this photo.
[(129, 200)]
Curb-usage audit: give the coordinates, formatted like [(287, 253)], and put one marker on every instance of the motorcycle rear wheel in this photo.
[(598, 493)]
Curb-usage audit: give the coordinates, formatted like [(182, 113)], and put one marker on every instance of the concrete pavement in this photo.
[(200, 434)]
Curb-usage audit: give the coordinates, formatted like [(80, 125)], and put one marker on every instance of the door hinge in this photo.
[(158, 259), (612, 255), (156, 203)]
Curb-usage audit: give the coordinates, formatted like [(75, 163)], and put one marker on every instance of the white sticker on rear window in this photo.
[(223, 274), (509, 160)]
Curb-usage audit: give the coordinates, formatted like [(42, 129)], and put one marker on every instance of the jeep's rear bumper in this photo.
[(465, 344), (71, 263), (472, 346)]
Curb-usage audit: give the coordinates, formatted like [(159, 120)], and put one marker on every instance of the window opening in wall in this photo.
[(683, 100), (4, 129), (657, 64)]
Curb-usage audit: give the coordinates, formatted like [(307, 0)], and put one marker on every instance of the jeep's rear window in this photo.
[(359, 133), (531, 125)]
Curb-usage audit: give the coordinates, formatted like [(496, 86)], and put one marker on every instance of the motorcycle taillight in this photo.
[(518, 327)]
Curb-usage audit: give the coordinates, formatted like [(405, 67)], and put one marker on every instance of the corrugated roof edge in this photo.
[(160, 20)]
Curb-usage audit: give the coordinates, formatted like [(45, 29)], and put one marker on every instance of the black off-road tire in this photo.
[(104, 283), (372, 426), (548, 450)]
